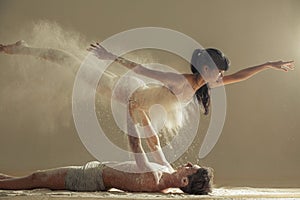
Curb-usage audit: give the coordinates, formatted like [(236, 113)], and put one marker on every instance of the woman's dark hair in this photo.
[(200, 183), (201, 57)]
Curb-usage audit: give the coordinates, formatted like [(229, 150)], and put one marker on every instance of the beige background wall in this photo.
[(260, 142)]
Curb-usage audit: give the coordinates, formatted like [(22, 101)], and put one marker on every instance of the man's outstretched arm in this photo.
[(153, 142), (135, 140)]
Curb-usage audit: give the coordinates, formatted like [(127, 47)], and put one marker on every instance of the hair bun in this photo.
[(200, 51)]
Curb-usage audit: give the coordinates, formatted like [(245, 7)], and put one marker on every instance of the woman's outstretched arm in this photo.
[(168, 78), (244, 74)]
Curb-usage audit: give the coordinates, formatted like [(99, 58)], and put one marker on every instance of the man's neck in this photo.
[(169, 181)]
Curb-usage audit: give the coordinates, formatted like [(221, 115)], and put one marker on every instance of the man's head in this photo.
[(195, 179)]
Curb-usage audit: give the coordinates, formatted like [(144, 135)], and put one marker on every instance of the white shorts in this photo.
[(85, 178)]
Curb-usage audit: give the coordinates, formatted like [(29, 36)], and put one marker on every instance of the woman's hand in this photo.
[(100, 52), (280, 65)]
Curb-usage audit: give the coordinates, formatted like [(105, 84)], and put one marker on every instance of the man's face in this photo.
[(188, 169)]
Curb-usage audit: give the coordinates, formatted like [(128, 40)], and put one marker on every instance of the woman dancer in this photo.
[(180, 88)]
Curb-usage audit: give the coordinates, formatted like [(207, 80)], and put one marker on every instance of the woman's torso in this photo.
[(170, 99)]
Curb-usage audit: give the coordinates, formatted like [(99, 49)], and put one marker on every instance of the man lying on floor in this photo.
[(97, 176)]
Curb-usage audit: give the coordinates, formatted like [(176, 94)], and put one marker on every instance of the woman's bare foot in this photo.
[(13, 48)]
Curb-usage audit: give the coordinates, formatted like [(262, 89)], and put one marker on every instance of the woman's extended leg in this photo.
[(60, 57), (52, 179), (53, 55)]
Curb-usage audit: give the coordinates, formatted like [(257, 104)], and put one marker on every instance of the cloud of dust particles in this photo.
[(36, 94)]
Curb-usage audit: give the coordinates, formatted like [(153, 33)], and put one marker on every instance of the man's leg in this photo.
[(5, 176), (52, 179)]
